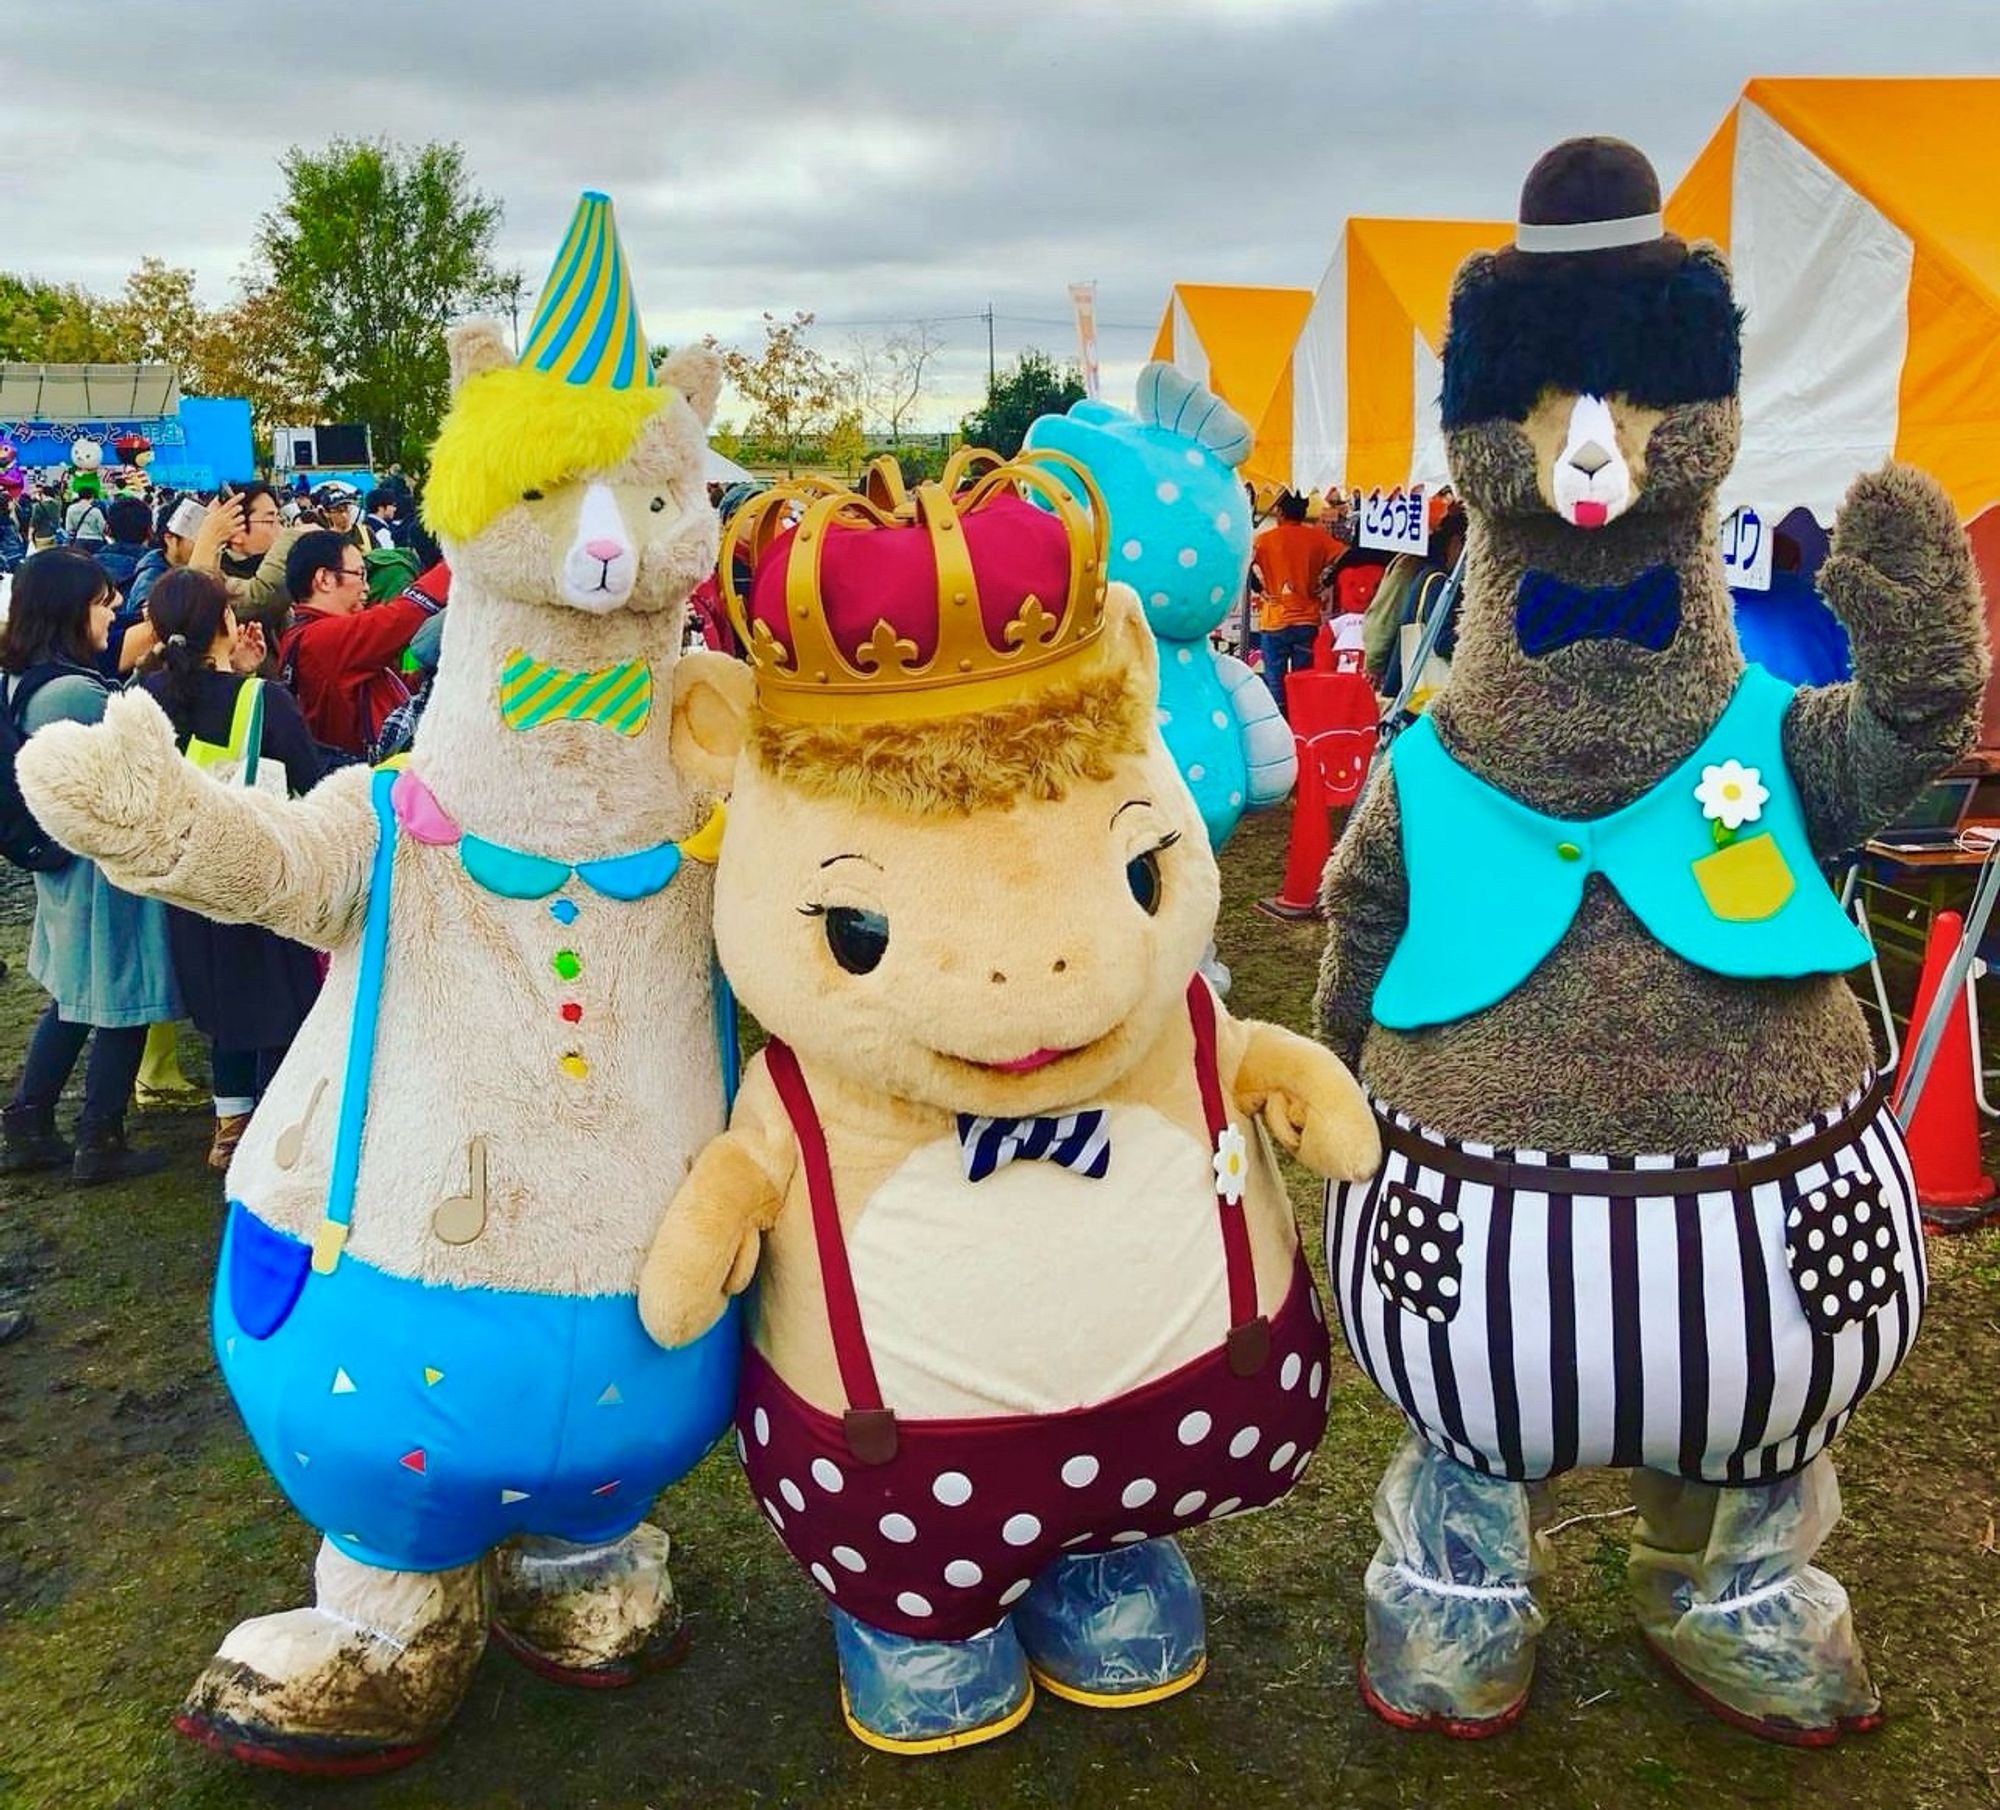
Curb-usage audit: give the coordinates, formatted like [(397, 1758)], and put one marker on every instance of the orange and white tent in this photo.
[(1862, 228), (1365, 371), (1237, 341)]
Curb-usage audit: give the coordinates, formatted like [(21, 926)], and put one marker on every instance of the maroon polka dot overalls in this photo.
[(935, 1528)]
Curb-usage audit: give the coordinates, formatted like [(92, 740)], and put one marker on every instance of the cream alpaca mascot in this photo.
[(426, 1302)]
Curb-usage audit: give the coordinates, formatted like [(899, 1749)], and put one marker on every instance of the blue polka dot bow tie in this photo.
[(1079, 1141), (1550, 613)]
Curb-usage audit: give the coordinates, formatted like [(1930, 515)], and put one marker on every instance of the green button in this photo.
[(1569, 851), (566, 963)]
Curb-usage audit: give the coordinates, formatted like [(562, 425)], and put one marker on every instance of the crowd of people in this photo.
[(284, 633), (1309, 571)]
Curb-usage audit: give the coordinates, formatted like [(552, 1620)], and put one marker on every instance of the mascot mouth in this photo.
[(1590, 515), (1027, 1065)]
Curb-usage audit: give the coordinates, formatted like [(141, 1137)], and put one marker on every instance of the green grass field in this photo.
[(136, 1527)]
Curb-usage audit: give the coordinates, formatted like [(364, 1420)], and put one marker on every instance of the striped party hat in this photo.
[(586, 329)]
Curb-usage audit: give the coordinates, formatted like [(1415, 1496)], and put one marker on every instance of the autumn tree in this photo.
[(1033, 386), (374, 250), (56, 323), (845, 443), (794, 390), (158, 318)]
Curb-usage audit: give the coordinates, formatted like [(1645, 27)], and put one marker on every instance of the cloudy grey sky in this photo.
[(881, 160)]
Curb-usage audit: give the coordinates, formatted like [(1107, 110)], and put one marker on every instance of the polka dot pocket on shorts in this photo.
[(1414, 1250), (1841, 1247)]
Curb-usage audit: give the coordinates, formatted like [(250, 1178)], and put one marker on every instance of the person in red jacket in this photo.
[(339, 657)]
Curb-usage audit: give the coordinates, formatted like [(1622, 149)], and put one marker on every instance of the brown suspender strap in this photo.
[(870, 1427), (1249, 1331)]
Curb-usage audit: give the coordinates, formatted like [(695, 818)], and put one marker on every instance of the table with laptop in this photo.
[(1927, 861)]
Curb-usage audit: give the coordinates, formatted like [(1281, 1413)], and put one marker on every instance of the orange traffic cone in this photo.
[(1312, 842), (1943, 1133)]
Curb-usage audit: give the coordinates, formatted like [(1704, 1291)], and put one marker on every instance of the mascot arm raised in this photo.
[(1366, 900), (1306, 1097), (120, 793), (708, 1244), (1900, 578)]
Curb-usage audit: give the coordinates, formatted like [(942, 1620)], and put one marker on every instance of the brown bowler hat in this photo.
[(1591, 205)]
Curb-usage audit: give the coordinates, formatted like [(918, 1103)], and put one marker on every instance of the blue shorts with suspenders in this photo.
[(418, 1425)]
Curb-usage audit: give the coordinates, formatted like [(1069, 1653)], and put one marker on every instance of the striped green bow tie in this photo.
[(533, 692)]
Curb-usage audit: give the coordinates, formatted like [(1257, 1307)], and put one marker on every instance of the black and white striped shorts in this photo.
[(1719, 1318)]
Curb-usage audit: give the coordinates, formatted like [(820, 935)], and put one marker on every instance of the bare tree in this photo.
[(908, 355), (868, 379)]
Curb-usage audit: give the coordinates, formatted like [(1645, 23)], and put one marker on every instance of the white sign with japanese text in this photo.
[(1394, 521), (1746, 550)]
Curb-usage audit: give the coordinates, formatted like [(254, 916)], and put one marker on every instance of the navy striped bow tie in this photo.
[(1079, 1141), (1550, 613)]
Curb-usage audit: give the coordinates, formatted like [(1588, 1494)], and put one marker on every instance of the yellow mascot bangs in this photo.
[(517, 429)]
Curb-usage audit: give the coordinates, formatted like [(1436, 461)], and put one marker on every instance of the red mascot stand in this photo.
[(1335, 726)]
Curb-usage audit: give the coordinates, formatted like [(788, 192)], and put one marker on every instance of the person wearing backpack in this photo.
[(247, 989), (100, 953)]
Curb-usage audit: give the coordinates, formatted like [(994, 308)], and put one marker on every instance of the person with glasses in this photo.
[(339, 657), (251, 563)]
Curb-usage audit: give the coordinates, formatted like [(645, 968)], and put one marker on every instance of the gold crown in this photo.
[(883, 677)]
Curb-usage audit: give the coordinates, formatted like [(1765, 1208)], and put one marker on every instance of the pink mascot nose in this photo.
[(605, 549)]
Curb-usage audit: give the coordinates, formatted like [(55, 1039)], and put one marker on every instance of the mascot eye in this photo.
[(1142, 874), (658, 503), (531, 496), (859, 939)]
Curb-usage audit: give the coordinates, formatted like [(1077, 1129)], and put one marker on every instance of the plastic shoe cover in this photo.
[(1727, 1596), (924, 1696), (1116, 1629), (1452, 1615)]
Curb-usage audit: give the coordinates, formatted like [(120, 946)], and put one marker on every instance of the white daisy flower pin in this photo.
[(1232, 1165), (1731, 794)]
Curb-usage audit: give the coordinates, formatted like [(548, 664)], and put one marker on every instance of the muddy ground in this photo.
[(136, 1526)]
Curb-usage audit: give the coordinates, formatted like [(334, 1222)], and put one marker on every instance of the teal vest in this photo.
[(1494, 884)]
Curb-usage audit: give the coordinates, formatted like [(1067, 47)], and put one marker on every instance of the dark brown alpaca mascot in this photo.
[(1581, 926)]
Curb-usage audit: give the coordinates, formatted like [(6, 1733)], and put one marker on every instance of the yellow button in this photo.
[(1569, 851), (574, 1066)]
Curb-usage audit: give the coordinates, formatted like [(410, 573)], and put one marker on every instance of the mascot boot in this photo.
[(363, 1681), (1643, 1204), (1452, 1614), (1731, 1605), (594, 1616), (1116, 1630)]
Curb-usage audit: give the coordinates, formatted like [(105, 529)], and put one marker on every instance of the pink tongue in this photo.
[(1592, 515), (1024, 1065)]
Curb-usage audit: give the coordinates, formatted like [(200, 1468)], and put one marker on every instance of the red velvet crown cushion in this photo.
[(868, 575)]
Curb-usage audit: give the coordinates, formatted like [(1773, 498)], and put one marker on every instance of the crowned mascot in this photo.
[(426, 1309), (1642, 1202), (1030, 1296)]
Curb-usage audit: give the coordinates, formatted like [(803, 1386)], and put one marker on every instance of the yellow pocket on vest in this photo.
[(1747, 881)]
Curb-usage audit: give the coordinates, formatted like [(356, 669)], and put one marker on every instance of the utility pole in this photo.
[(992, 371)]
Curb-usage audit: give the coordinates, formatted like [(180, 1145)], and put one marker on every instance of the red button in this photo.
[(572, 1012)]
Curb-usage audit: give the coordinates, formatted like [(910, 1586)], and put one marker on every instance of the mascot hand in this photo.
[(1898, 554), (707, 1246), (1309, 1103), (116, 791)]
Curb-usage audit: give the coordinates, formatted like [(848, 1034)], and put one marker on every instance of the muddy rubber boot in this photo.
[(363, 1682), (161, 1087), (593, 1616), (1732, 1607), (1452, 1614), (28, 1141), (102, 1155)]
